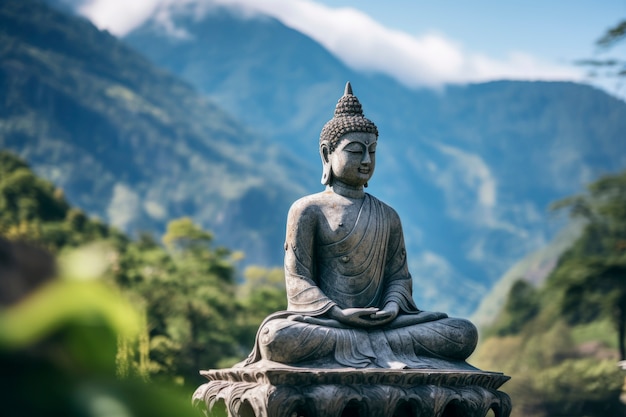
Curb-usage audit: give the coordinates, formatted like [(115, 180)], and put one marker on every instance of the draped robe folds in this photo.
[(366, 268)]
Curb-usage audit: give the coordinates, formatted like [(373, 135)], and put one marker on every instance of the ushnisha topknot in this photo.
[(348, 118)]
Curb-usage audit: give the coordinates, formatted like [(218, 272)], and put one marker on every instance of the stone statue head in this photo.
[(348, 119)]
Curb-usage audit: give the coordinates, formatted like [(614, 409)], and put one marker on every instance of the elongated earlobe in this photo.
[(327, 174), (326, 165)]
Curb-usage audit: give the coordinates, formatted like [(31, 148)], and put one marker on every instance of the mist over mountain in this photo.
[(131, 143), (471, 169)]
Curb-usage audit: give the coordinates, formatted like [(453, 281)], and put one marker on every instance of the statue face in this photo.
[(354, 158)]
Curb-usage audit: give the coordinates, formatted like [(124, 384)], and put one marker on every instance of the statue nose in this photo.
[(366, 158)]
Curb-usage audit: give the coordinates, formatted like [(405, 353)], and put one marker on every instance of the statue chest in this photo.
[(338, 223)]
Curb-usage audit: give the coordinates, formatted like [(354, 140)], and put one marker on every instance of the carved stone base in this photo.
[(302, 392)]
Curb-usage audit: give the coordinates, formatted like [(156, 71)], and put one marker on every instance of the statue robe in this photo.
[(366, 268)]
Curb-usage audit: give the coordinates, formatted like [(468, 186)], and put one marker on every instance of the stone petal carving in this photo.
[(289, 392)]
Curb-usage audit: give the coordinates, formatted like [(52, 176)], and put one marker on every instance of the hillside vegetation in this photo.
[(561, 341), (191, 313), (132, 310), (129, 142), (470, 169), (136, 146)]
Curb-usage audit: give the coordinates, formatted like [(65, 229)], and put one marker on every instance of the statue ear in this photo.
[(325, 153), (326, 165)]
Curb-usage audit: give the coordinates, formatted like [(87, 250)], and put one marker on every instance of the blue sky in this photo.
[(559, 30), (423, 43), (553, 31)]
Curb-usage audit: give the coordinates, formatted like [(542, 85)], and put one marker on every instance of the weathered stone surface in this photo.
[(288, 392), (349, 290), (352, 341)]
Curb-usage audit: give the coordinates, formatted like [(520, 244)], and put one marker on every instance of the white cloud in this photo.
[(163, 17), (124, 206), (431, 272), (155, 210), (118, 16), (433, 276), (476, 174), (362, 43), (470, 189)]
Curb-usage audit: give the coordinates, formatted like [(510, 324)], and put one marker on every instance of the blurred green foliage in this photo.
[(608, 66), (554, 340), (591, 277), (88, 315), (31, 207)]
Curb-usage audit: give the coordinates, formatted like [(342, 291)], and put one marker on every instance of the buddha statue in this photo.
[(349, 290)]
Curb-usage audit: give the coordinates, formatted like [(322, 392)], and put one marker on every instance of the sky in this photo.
[(424, 43)]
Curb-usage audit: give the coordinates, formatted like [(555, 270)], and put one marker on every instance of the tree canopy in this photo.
[(194, 309), (555, 339), (592, 275), (611, 67)]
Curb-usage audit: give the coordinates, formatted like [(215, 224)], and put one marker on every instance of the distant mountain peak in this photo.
[(130, 142), (470, 170)]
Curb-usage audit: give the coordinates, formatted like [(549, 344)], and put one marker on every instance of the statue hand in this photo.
[(355, 317), (388, 314)]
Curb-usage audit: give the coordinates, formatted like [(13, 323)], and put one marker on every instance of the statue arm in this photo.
[(399, 288), (303, 293), (398, 281)]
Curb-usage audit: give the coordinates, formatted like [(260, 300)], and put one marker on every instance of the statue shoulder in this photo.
[(306, 207)]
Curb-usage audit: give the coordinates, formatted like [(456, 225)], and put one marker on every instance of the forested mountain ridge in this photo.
[(560, 339), (129, 142), (471, 169), (193, 314)]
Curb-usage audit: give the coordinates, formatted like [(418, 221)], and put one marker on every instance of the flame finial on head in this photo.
[(348, 90)]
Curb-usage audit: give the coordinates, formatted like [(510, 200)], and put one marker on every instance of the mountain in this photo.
[(471, 169), (534, 268), (131, 143), (275, 79)]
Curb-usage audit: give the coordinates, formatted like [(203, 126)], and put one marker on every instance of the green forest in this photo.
[(561, 342), (84, 304), (91, 318)]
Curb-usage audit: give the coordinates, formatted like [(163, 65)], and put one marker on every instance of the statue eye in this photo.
[(353, 149)]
